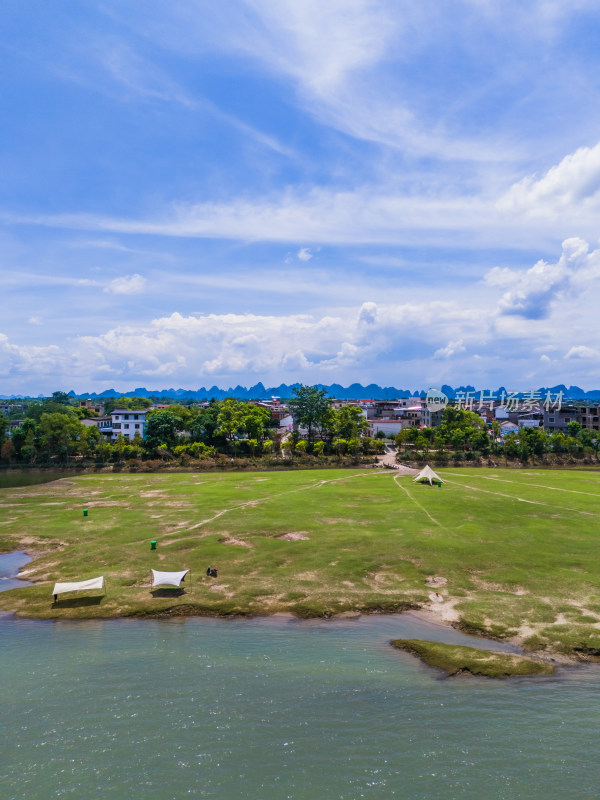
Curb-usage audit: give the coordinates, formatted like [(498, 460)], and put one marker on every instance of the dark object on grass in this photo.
[(208, 571)]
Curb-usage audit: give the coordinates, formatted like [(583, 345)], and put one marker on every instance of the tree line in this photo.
[(52, 431), (462, 434)]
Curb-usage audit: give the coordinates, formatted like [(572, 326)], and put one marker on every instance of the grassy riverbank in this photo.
[(509, 554), (453, 659)]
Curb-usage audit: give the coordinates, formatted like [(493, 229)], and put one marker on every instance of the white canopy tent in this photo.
[(79, 586), (168, 578), (427, 474)]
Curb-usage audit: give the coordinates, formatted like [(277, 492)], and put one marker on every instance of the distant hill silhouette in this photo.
[(355, 391)]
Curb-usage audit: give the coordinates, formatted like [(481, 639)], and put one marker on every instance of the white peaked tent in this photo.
[(168, 578), (79, 586), (427, 474)]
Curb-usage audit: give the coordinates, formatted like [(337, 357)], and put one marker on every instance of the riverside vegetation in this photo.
[(453, 658), (222, 434), (511, 555), (232, 434)]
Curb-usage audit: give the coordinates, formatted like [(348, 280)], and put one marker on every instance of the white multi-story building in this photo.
[(128, 423)]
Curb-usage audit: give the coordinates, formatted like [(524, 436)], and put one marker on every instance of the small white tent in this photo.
[(168, 578), (79, 586), (427, 474)]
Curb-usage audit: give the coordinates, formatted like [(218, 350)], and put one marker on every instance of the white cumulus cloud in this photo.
[(451, 349), (128, 284), (582, 351), (304, 254)]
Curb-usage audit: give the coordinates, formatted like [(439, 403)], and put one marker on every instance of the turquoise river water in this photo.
[(277, 709)]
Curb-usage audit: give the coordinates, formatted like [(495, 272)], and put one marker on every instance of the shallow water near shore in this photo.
[(12, 478), (10, 564), (279, 708)]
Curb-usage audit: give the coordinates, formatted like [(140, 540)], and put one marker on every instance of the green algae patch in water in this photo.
[(453, 659)]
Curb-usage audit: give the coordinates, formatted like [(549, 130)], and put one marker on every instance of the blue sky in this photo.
[(200, 193)]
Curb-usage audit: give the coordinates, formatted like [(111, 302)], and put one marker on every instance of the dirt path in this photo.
[(540, 486), (257, 501), (514, 497), (416, 502)]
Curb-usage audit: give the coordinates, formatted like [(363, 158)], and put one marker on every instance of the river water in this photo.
[(272, 709)]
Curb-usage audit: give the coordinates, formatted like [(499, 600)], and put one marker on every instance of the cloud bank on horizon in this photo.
[(359, 190)]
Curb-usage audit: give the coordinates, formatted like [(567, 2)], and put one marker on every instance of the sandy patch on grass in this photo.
[(294, 536), (306, 576), (348, 583), (436, 580), (221, 587), (445, 609), (586, 611), (342, 521), (232, 540), (525, 632)]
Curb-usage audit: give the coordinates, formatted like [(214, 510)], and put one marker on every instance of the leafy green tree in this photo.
[(62, 398), (319, 448), (3, 426), (50, 406), (496, 433), (574, 429), (184, 414), (25, 438), (350, 422), (230, 418), (255, 420), (118, 447), (90, 441), (301, 446), (205, 425), (536, 440), (162, 428), (354, 446), (459, 427), (60, 434), (131, 403), (480, 440), (558, 442), (407, 436), (309, 408), (422, 443), (340, 446), (457, 439), (511, 446)]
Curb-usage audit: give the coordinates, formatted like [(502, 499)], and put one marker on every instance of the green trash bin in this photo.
[(153, 544), (85, 512)]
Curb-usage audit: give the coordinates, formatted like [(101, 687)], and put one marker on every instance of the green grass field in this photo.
[(514, 553)]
